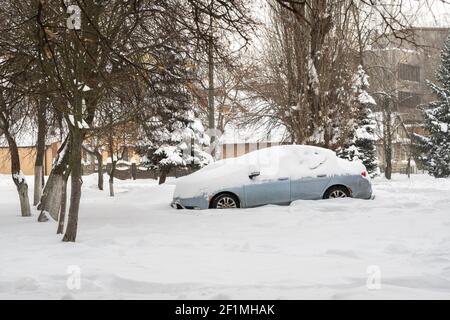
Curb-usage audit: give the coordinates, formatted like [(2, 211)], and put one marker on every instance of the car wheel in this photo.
[(225, 201), (336, 192)]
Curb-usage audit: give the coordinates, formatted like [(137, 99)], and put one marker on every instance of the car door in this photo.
[(267, 189), (311, 184)]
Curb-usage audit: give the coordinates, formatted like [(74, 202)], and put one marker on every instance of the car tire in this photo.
[(336, 192), (225, 201)]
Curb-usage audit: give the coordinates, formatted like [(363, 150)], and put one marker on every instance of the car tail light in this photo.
[(364, 174)]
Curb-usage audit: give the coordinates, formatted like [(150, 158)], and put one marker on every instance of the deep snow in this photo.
[(136, 246)]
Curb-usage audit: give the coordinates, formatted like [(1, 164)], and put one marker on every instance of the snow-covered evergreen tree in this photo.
[(361, 144), (180, 144), (437, 120)]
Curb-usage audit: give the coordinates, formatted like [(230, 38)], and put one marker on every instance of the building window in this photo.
[(408, 99), (408, 72)]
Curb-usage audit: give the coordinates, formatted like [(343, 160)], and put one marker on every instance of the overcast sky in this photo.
[(429, 13), (421, 13)]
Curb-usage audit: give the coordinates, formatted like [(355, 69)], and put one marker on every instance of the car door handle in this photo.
[(321, 175), (283, 179)]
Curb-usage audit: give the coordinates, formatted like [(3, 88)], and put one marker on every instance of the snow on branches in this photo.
[(180, 144), (361, 144), (436, 146)]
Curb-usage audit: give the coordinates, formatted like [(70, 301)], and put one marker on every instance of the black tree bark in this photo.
[(18, 178), (62, 212), (163, 175), (40, 152), (76, 182)]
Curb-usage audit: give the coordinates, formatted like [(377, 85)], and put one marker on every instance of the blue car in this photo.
[(275, 175)]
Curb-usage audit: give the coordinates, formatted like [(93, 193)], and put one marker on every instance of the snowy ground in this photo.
[(134, 246)]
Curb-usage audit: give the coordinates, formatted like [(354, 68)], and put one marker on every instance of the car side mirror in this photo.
[(254, 174)]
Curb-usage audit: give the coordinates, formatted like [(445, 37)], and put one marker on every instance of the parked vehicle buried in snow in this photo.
[(274, 175)]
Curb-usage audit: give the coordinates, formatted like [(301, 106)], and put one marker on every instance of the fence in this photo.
[(133, 171)]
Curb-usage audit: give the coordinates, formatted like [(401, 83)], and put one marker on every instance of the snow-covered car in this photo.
[(274, 175)]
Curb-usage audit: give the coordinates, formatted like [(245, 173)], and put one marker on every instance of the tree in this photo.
[(86, 55), (362, 138), (309, 59), (219, 26), (437, 120), (180, 145), (118, 141), (387, 123), (42, 106), (17, 86), (91, 65), (94, 148), (10, 116), (311, 50)]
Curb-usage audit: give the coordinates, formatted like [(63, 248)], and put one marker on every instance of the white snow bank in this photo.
[(134, 246)]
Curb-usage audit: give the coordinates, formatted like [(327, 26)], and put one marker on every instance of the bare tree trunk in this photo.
[(113, 163), (62, 212), (99, 157), (111, 178), (133, 171), (40, 152), (320, 26), (52, 194), (22, 188), (408, 168), (387, 141), (163, 175), (111, 186), (76, 182), (17, 176), (211, 111), (38, 174), (388, 170)]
